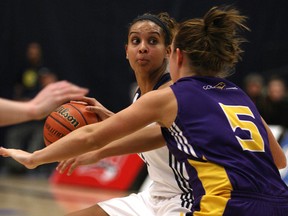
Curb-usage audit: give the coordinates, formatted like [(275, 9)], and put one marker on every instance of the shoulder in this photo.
[(154, 100), (163, 104), (167, 84), (158, 96)]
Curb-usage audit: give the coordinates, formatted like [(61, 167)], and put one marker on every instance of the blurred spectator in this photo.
[(276, 104), (32, 78), (254, 86), (28, 79)]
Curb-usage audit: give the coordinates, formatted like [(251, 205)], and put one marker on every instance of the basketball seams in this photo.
[(55, 119), (65, 119), (47, 132), (79, 111)]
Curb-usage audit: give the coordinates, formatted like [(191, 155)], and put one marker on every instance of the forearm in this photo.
[(12, 112), (75, 143), (146, 139)]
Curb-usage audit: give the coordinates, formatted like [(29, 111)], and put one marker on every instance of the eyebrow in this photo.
[(157, 33)]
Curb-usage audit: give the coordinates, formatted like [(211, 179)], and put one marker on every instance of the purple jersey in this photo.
[(219, 134)]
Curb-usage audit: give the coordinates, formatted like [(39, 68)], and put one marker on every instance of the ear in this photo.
[(179, 57), (168, 51)]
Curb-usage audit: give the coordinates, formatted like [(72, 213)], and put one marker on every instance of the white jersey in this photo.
[(168, 176), (169, 193)]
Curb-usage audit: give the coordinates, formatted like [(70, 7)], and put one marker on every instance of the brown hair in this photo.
[(212, 43)]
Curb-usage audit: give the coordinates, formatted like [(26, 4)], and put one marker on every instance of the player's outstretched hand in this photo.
[(54, 95), (18, 155), (72, 163)]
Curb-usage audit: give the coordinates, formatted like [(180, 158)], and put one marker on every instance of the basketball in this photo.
[(65, 119)]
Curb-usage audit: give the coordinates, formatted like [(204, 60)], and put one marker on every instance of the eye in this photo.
[(135, 40), (153, 41)]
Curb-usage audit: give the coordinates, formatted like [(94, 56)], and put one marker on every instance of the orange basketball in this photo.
[(65, 119)]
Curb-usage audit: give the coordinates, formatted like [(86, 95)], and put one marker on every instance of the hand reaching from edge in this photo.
[(54, 95), (20, 156)]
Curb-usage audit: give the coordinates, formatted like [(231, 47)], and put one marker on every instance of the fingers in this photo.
[(91, 101), (63, 86), (95, 109), (64, 90), (72, 168), (63, 165), (4, 152), (19, 156), (60, 166), (72, 93)]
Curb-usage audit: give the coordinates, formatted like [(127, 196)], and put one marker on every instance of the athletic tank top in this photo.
[(219, 135), (169, 177)]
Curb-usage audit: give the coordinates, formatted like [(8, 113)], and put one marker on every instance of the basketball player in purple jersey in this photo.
[(209, 123)]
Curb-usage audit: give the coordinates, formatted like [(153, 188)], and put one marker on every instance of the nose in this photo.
[(143, 47)]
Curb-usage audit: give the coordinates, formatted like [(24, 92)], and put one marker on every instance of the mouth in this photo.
[(142, 60)]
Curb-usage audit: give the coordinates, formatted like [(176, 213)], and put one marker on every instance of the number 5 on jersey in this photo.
[(255, 143)]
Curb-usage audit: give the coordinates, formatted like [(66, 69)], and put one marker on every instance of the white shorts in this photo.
[(142, 204)]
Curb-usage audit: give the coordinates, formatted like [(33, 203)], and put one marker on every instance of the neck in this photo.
[(147, 82), (186, 71)]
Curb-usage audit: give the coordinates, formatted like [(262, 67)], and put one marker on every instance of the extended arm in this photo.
[(152, 107), (143, 140), (52, 96)]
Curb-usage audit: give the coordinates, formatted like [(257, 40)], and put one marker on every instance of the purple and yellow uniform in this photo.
[(219, 134)]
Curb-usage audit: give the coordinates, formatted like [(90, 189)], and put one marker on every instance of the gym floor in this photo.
[(33, 196)]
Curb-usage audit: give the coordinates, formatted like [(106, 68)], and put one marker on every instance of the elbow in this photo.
[(281, 161), (282, 164)]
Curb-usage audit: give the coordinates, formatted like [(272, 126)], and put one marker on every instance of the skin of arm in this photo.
[(276, 150), (12, 112), (150, 108), (146, 139), (48, 99)]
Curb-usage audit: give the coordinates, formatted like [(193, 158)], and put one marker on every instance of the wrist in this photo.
[(32, 111)]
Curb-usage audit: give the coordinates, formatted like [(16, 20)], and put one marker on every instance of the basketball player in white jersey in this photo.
[(149, 39)]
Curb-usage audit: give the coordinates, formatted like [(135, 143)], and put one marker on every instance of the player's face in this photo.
[(146, 50)]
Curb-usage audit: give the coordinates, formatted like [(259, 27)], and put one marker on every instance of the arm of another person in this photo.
[(146, 139), (48, 99), (276, 150), (150, 108)]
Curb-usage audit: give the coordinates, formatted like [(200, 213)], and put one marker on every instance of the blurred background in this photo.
[(42, 41), (83, 42)]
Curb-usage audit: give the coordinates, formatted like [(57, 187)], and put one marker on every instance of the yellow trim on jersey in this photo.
[(217, 188)]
